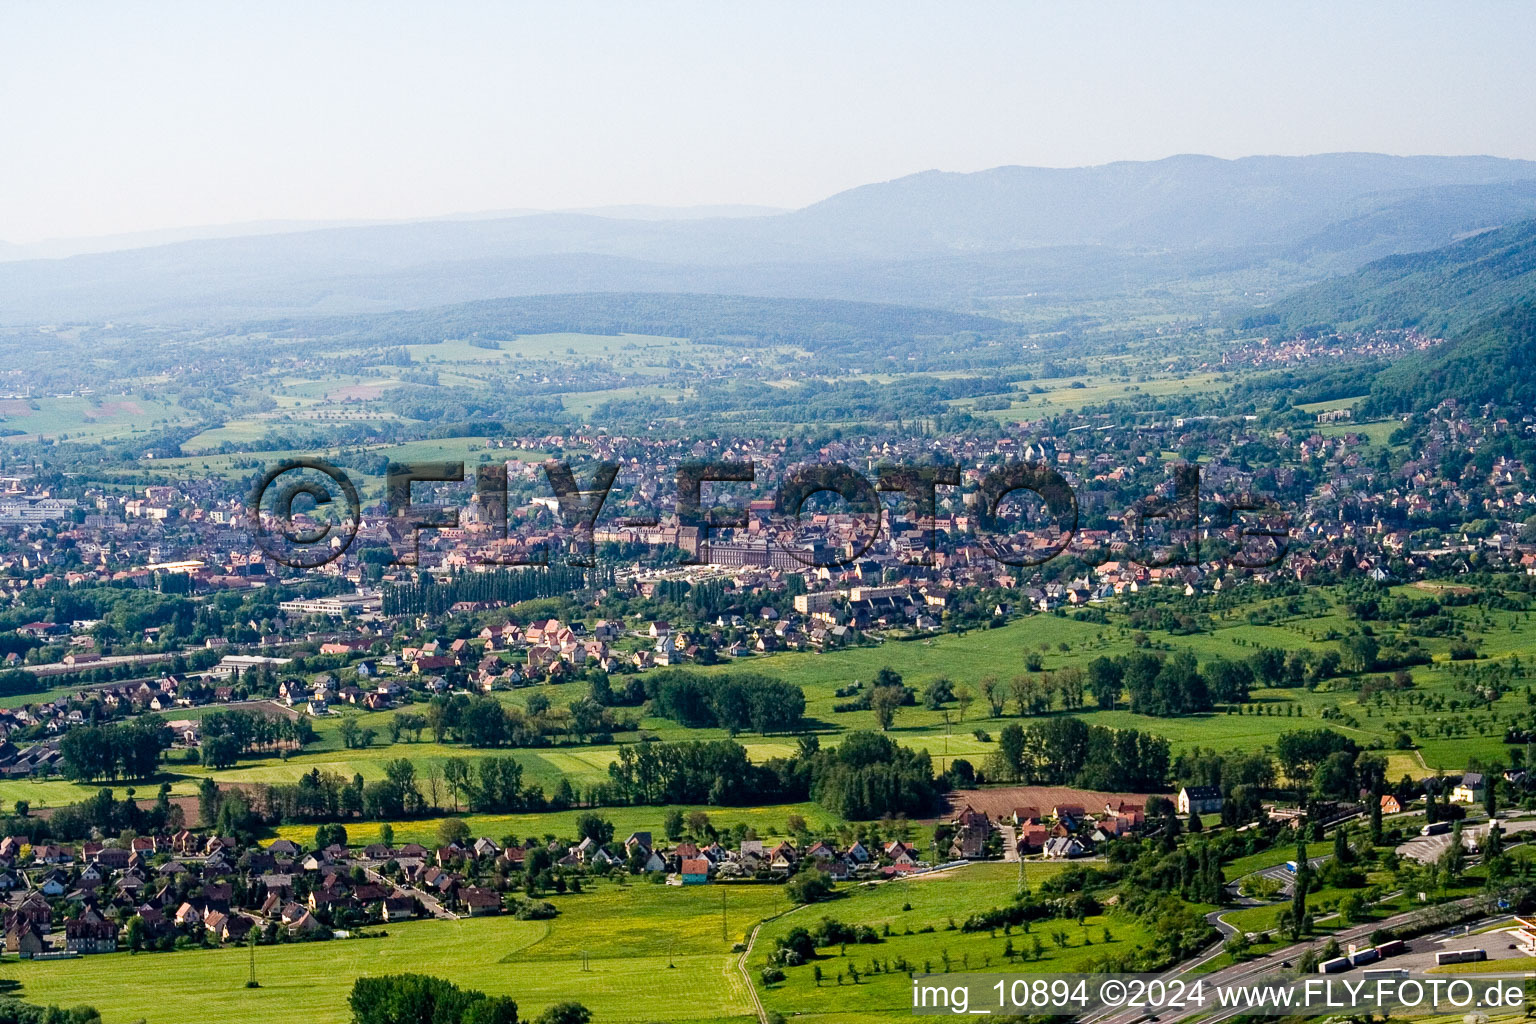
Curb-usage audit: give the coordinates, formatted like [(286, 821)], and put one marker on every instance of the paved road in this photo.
[(1250, 970), (427, 901)]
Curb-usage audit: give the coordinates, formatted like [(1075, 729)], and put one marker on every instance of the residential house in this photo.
[(399, 907), (1064, 847), (25, 939), (1470, 789), (972, 830), (1031, 839), (1199, 800), (480, 902)]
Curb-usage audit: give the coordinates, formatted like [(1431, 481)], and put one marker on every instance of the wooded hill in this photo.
[(1479, 293), (1440, 291), (739, 319)]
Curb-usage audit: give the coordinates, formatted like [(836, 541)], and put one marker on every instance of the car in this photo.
[(1285, 963)]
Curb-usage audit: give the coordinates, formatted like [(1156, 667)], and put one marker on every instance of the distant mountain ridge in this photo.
[(978, 241), (61, 248), (1175, 202)]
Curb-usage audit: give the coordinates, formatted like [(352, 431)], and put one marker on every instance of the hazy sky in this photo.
[(121, 117)]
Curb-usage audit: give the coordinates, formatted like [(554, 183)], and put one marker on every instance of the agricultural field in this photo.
[(1073, 393), (642, 352), (606, 945), (767, 821), (922, 915), (281, 402), (85, 418)]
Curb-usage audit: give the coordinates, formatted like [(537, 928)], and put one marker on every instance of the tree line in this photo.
[(130, 750), (736, 702), (1067, 751), (486, 722), (491, 785), (229, 735), (426, 596), (419, 999), (866, 776)]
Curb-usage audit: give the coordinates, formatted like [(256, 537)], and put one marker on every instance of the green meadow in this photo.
[(768, 821), (922, 916), (92, 418), (633, 952)]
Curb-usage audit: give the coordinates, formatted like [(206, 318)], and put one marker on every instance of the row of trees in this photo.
[(1178, 685), (102, 814), (736, 702), (419, 999), (229, 735), (869, 775), (487, 722), (715, 772), (866, 776), (15, 681), (491, 785), (1156, 685), (1067, 751), (1325, 764), (130, 750)]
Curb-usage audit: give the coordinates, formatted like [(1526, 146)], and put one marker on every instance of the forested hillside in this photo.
[(1479, 293), (1490, 362), (1441, 291), (813, 323)]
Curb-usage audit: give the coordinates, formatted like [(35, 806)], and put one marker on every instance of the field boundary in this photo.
[(525, 947), (741, 961)]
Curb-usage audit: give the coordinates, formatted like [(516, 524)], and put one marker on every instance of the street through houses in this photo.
[(428, 903)]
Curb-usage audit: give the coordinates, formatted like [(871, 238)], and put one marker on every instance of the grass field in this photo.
[(643, 349), (1061, 393), (768, 821), (1331, 404), (1269, 858), (654, 952), (937, 902), (96, 418), (1378, 434)]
